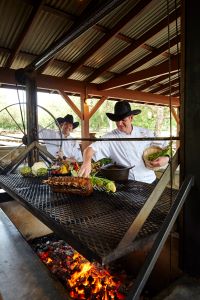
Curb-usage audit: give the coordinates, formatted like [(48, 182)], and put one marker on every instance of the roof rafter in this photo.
[(163, 86), (151, 72), (136, 44), (150, 83), (156, 52), (110, 34)]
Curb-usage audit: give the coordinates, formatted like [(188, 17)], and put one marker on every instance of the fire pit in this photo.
[(93, 225), (82, 279)]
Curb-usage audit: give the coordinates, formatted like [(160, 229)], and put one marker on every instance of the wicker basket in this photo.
[(146, 153)]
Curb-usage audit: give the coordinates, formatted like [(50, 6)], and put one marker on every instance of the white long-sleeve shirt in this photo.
[(127, 153), (71, 149), (52, 146)]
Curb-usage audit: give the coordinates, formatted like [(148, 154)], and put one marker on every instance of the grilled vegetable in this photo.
[(164, 152), (109, 185)]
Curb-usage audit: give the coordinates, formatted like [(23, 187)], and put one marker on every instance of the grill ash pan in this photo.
[(115, 172)]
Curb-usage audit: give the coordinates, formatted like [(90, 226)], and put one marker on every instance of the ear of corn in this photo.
[(109, 185)]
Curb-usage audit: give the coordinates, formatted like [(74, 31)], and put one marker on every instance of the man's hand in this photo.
[(85, 169), (158, 163)]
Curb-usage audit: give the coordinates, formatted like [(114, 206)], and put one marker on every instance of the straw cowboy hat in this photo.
[(122, 110)]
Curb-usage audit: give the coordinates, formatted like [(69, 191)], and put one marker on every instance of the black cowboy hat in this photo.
[(69, 119), (60, 120), (122, 110)]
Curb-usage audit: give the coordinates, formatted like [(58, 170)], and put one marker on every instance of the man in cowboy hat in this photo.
[(127, 153), (71, 148), (51, 136)]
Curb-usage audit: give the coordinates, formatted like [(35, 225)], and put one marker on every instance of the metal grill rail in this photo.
[(93, 225)]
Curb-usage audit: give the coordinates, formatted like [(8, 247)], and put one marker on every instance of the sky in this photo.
[(11, 96)]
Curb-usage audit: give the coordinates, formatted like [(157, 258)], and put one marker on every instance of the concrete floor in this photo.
[(29, 226), (185, 288)]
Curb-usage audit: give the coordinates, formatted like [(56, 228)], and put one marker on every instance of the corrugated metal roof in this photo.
[(13, 18), (55, 18), (106, 53), (41, 35), (130, 59), (149, 17), (79, 46)]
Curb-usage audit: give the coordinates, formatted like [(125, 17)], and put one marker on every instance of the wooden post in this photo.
[(84, 121), (190, 132)]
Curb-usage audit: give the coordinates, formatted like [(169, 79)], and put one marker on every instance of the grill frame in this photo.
[(93, 225)]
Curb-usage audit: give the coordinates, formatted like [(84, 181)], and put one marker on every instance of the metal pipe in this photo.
[(153, 255), (79, 28)]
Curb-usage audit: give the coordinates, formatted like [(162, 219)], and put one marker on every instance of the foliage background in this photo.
[(153, 117)]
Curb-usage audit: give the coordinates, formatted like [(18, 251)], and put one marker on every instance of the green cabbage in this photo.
[(25, 171), (42, 172)]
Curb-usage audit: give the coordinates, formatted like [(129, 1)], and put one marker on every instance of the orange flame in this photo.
[(97, 279), (85, 280)]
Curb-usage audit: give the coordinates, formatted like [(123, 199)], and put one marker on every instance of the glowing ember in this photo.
[(83, 280)]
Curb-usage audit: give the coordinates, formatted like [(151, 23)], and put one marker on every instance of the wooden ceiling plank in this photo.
[(27, 28), (151, 72), (96, 107), (71, 103), (136, 44), (126, 19)]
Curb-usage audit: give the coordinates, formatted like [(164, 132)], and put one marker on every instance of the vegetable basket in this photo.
[(147, 152)]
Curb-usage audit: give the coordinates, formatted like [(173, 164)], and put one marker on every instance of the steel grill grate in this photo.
[(96, 223)]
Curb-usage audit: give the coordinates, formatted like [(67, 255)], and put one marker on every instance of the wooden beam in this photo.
[(151, 72), (176, 117), (76, 87), (150, 83), (163, 86), (155, 52), (170, 90), (71, 104), (142, 97), (84, 122), (96, 107)]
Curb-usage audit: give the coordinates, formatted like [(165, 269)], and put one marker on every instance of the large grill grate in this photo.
[(94, 225)]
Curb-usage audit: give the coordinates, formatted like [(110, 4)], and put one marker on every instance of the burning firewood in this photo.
[(83, 280)]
